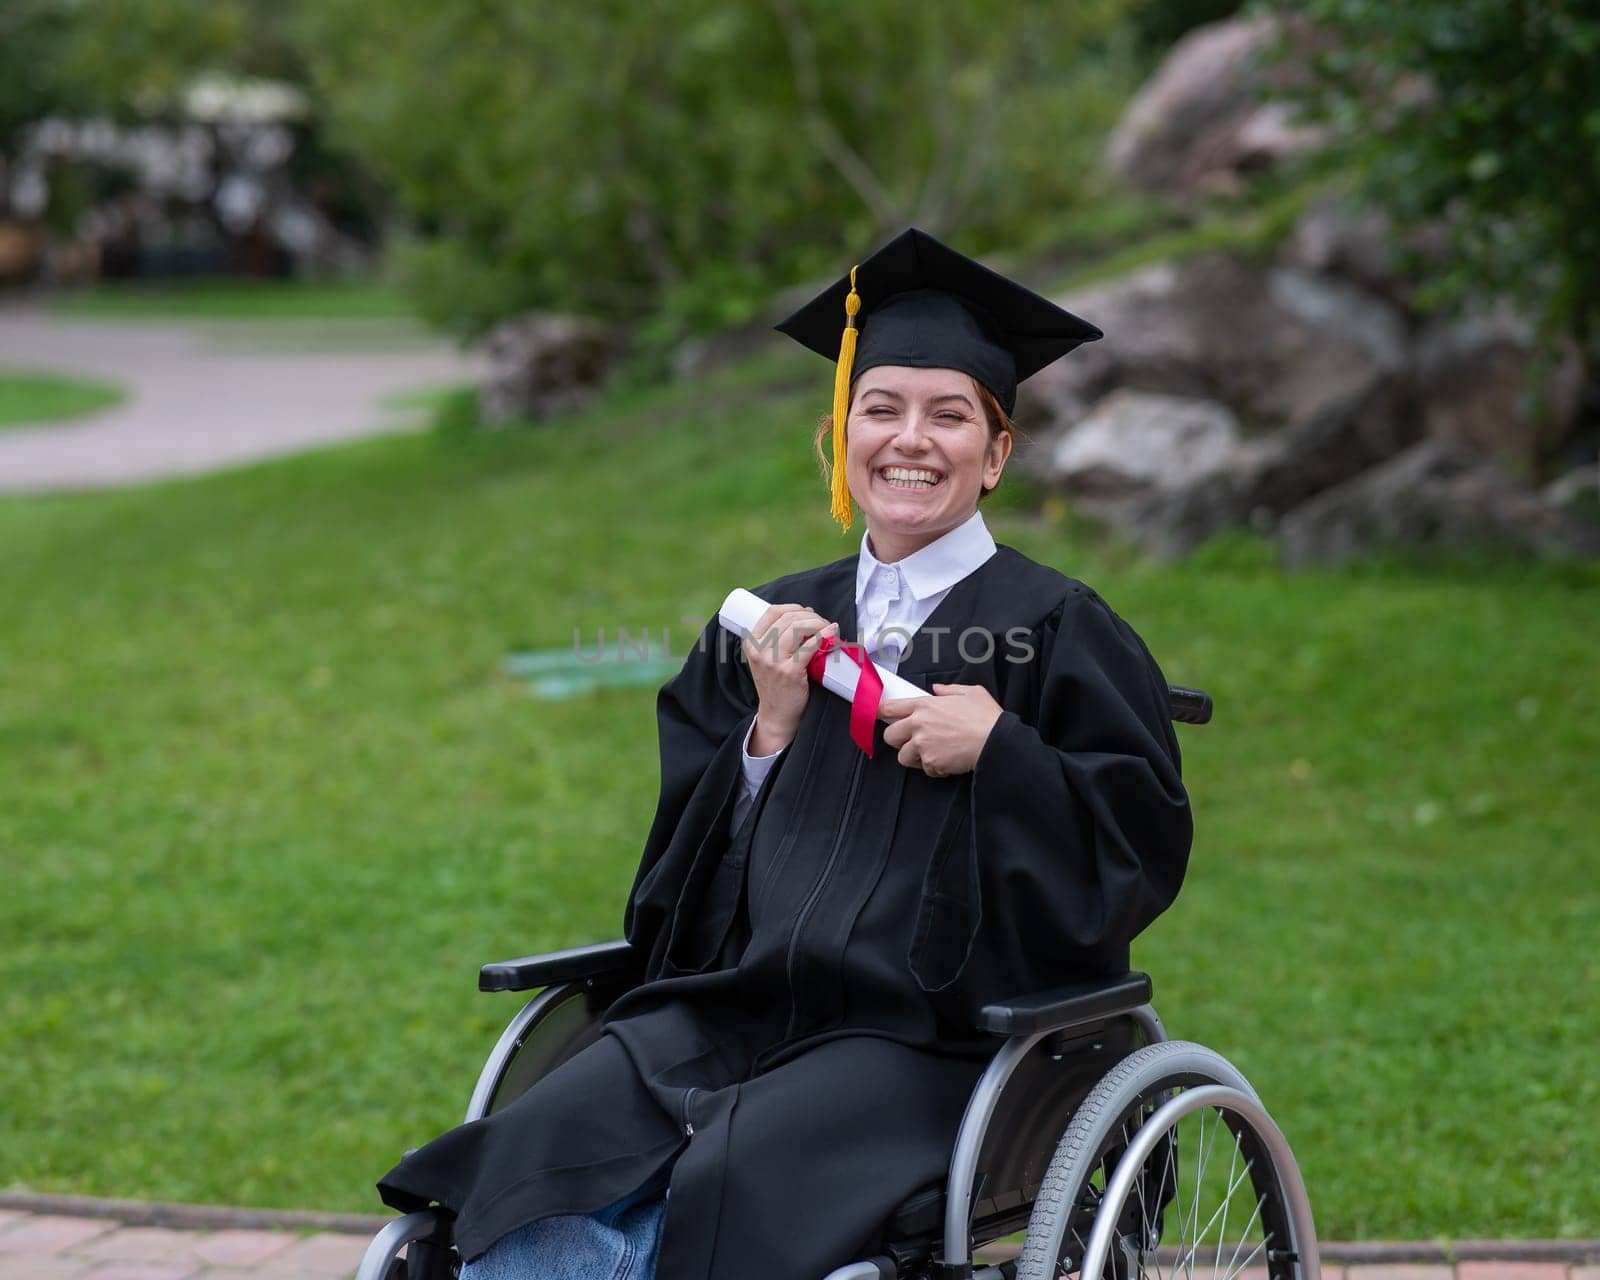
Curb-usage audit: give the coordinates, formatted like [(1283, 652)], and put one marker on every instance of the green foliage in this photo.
[(289, 300), (33, 36), (1252, 227), (1485, 113), (142, 54), (124, 58), (678, 161), (132, 61), (267, 799)]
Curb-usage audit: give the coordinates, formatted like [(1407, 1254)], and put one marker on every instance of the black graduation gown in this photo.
[(799, 1056)]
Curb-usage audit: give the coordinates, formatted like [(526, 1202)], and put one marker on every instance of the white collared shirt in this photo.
[(892, 602)]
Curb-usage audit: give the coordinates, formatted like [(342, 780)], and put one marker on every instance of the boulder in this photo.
[(1149, 345), (1201, 121), (1581, 484), (1319, 339), (1270, 476), (1133, 440), (1338, 309), (1437, 493), (1277, 346), (1472, 385), (543, 364), (1336, 237)]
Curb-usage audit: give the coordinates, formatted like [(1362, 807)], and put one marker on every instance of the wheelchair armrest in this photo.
[(1066, 1006), (603, 960)]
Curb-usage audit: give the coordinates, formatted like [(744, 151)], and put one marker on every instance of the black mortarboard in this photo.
[(920, 303)]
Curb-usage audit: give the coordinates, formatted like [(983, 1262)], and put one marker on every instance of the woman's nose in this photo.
[(913, 433)]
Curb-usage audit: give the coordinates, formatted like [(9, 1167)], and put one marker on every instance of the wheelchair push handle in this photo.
[(1189, 706)]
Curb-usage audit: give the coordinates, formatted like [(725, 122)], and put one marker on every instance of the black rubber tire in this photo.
[(1146, 1072)]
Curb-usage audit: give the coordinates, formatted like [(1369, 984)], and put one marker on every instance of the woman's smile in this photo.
[(910, 479)]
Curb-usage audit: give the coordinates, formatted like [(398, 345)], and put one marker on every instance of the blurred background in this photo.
[(365, 366)]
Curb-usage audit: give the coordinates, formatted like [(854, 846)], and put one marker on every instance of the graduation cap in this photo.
[(918, 302)]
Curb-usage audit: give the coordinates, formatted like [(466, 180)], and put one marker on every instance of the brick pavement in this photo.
[(54, 1246), (68, 1246)]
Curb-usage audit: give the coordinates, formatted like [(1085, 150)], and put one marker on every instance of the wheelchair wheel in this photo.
[(1171, 1166), (439, 1264), (409, 1248)]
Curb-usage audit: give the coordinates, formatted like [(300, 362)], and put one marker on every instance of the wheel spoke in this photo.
[(1222, 1231), (1265, 1240), (1226, 1196), (1243, 1236), (1146, 1222), (1202, 1157), (1168, 1165)]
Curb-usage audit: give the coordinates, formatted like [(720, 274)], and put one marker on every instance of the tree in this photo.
[(33, 35), (1483, 115), (676, 160), (137, 62), (128, 58)]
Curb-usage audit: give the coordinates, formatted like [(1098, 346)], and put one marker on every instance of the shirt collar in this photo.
[(941, 564)]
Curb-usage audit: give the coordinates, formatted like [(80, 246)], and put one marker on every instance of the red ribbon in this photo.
[(869, 688)]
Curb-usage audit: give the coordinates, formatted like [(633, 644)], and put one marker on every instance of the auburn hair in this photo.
[(999, 424)]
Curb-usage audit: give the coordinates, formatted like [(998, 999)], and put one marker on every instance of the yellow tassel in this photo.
[(841, 405)]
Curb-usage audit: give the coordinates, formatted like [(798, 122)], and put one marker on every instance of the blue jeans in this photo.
[(619, 1242)]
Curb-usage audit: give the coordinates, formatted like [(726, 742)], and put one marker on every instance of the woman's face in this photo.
[(918, 454)]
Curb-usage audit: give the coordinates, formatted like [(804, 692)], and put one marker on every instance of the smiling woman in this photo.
[(818, 916)]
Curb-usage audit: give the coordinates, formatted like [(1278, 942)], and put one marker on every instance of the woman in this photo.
[(819, 923)]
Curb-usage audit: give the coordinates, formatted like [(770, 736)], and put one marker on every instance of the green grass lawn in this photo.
[(231, 299), (267, 799), (29, 397), (252, 316)]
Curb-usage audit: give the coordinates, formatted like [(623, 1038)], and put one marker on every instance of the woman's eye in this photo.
[(880, 411)]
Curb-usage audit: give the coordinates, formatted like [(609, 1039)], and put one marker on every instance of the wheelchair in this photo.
[(1121, 1154)]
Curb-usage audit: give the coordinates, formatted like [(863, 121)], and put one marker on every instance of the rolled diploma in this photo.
[(743, 609)]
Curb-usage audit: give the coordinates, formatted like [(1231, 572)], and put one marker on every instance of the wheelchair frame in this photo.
[(586, 979), (574, 987)]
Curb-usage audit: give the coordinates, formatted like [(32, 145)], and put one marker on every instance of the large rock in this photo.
[(1133, 440), (1436, 493), (1581, 484), (1279, 344), (1276, 346), (542, 364), (1201, 121), (1270, 476), (1336, 236), (1473, 386), (1149, 345)]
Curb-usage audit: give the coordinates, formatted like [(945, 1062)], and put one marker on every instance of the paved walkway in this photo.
[(207, 1242), (60, 1247), (199, 400)]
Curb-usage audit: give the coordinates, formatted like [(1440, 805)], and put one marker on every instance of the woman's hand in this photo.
[(782, 642), (944, 734)]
